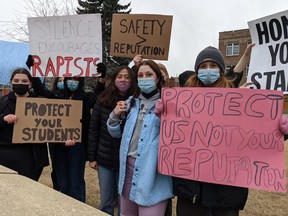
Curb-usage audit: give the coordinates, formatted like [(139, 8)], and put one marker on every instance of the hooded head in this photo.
[(210, 54)]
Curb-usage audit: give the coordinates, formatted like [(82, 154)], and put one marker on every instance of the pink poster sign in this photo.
[(223, 136)]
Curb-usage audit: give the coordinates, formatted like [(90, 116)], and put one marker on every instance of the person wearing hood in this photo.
[(142, 190)]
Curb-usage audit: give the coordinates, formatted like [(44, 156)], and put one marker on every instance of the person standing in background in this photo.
[(70, 157), (103, 149), (58, 89)]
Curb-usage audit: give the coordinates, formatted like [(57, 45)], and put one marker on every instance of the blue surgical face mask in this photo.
[(147, 85), (60, 85), (72, 85), (208, 76)]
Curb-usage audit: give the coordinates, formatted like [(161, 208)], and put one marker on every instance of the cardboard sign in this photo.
[(269, 57), (223, 136), (12, 55), (66, 45), (148, 35), (47, 120)]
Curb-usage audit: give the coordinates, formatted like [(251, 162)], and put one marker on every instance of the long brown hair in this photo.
[(164, 69), (110, 95)]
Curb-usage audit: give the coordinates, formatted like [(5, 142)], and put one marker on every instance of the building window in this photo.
[(232, 49)]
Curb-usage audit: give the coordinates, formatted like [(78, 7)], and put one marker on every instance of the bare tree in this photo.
[(18, 29)]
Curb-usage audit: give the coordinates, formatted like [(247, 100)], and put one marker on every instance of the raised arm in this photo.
[(244, 60)]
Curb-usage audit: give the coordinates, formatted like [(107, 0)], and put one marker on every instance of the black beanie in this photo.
[(210, 54), (183, 77)]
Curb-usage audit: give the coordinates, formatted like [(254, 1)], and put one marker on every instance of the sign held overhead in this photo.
[(145, 34), (65, 45)]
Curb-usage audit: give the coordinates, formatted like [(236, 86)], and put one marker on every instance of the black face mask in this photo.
[(20, 89)]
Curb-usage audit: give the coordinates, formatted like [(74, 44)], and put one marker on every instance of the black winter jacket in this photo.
[(211, 195), (40, 153), (101, 146)]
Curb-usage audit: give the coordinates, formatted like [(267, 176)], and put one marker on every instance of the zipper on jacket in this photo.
[(194, 199)]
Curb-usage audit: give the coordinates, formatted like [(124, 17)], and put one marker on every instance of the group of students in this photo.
[(123, 138)]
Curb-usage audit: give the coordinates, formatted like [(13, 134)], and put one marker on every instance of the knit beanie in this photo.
[(210, 54), (183, 77)]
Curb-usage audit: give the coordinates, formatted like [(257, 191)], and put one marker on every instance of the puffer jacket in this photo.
[(102, 147)]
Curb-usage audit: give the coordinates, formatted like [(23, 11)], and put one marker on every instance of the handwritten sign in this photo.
[(47, 120), (66, 45), (269, 57), (12, 55), (148, 35), (223, 136)]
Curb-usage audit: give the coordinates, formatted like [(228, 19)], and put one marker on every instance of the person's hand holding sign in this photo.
[(283, 124), (137, 59), (158, 108), (70, 143), (10, 119)]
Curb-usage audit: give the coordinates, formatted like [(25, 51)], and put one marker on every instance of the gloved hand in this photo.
[(101, 68), (158, 108), (283, 124), (29, 61)]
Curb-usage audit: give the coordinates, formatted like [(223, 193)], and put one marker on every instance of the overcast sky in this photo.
[(196, 24)]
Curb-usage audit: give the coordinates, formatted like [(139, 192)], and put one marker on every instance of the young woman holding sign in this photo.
[(202, 198), (26, 159), (142, 189)]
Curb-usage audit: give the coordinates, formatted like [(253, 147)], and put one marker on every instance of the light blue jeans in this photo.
[(108, 184)]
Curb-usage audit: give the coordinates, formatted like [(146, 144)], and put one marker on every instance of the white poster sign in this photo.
[(268, 67), (65, 45)]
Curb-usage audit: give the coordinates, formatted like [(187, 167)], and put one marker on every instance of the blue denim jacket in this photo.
[(148, 186)]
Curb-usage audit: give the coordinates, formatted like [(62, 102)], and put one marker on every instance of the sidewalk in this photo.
[(21, 196)]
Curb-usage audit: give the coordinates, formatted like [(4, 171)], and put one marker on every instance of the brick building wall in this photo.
[(241, 37)]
